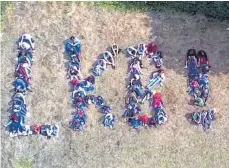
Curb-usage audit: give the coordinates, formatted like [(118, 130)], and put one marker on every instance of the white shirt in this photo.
[(26, 65), (137, 67), (49, 131), (27, 36), (107, 54), (26, 45), (155, 57), (130, 49), (162, 77)]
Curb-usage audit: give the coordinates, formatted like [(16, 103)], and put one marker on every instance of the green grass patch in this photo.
[(4, 6), (23, 163), (123, 6), (218, 10)]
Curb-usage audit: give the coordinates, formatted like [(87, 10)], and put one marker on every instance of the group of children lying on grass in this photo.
[(16, 125), (197, 65), (81, 87), (137, 93)]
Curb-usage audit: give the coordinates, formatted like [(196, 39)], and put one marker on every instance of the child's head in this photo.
[(72, 38), (191, 52), (160, 54), (202, 53), (161, 71), (136, 60)]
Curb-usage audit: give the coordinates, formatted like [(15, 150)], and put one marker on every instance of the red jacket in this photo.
[(74, 82), (36, 129), (157, 96), (151, 47), (195, 84), (144, 118), (202, 61), (157, 103)]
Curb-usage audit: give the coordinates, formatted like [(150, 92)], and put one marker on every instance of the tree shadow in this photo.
[(177, 33)]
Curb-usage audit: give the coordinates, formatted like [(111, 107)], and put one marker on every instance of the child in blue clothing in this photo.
[(73, 47), (99, 101)]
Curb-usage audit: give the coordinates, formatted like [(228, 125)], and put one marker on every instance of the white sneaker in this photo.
[(13, 135)]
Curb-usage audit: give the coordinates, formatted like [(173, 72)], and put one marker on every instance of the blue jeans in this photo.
[(193, 72), (81, 106), (16, 127), (136, 123), (89, 89), (21, 82), (138, 91), (204, 82), (100, 103), (22, 58)]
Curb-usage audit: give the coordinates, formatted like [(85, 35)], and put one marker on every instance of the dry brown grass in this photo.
[(178, 144)]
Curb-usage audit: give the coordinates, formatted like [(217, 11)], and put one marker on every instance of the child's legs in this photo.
[(138, 92), (27, 71), (89, 89), (26, 84), (9, 122), (153, 82), (20, 59), (29, 55), (106, 122), (103, 67), (144, 98)]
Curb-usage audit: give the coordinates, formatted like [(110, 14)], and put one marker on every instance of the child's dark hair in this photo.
[(202, 53), (72, 38), (160, 54), (160, 70), (136, 59), (191, 52)]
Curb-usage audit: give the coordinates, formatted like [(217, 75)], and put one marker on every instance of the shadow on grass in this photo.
[(176, 34)]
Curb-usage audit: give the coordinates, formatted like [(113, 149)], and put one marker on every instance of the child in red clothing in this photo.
[(157, 100), (144, 118), (202, 58), (151, 49), (74, 81), (157, 103), (157, 96), (36, 129)]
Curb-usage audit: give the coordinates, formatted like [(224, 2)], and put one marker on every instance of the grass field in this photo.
[(178, 144)]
